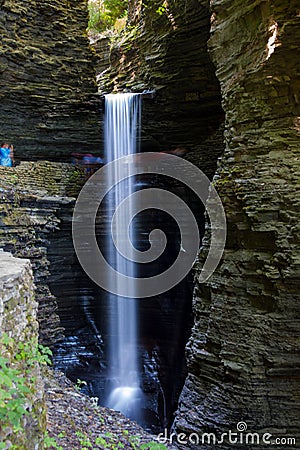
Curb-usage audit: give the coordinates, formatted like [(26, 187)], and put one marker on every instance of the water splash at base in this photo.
[(126, 399)]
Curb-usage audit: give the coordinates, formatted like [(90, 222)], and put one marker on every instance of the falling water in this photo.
[(122, 122)]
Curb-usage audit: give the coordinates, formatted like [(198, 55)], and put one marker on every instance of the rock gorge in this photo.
[(225, 76), (243, 352)]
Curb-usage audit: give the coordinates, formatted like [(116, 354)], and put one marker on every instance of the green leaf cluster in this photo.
[(103, 14), (50, 442), (13, 390), (107, 441), (17, 362)]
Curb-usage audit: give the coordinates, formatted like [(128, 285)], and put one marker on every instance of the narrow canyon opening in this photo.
[(187, 115), (90, 315)]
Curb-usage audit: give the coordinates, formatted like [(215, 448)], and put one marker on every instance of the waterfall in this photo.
[(121, 126)]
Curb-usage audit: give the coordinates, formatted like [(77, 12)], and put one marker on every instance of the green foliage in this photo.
[(50, 442), (13, 390), (110, 441), (79, 384), (158, 6), (31, 353), (153, 446), (134, 442), (17, 362), (101, 442), (84, 440), (161, 10), (103, 14), (106, 14)]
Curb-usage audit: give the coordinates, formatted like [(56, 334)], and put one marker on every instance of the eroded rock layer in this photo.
[(243, 354), (36, 207), (47, 86)]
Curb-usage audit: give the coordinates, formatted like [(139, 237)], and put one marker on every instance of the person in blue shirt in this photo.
[(5, 155)]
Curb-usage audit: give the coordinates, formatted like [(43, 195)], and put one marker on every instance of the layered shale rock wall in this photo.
[(18, 311), (36, 204), (47, 83), (243, 353), (167, 54)]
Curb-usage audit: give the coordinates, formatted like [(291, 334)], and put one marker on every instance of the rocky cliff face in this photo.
[(18, 310), (36, 207), (242, 355), (167, 54), (48, 108)]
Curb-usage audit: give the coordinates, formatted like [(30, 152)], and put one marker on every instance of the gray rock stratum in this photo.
[(243, 354), (47, 104)]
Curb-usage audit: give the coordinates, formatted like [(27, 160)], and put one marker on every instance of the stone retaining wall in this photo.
[(18, 319)]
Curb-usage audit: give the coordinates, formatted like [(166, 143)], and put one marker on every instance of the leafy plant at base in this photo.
[(84, 440), (13, 390), (111, 442), (16, 381), (80, 384), (152, 445), (50, 442)]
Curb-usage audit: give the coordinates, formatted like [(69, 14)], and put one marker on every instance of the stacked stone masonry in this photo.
[(18, 320)]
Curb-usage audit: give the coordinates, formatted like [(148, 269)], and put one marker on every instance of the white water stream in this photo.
[(121, 126)]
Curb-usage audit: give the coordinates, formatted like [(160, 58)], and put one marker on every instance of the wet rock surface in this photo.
[(87, 312), (243, 353), (167, 54)]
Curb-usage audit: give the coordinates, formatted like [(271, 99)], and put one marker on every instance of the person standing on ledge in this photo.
[(11, 154), (5, 152)]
